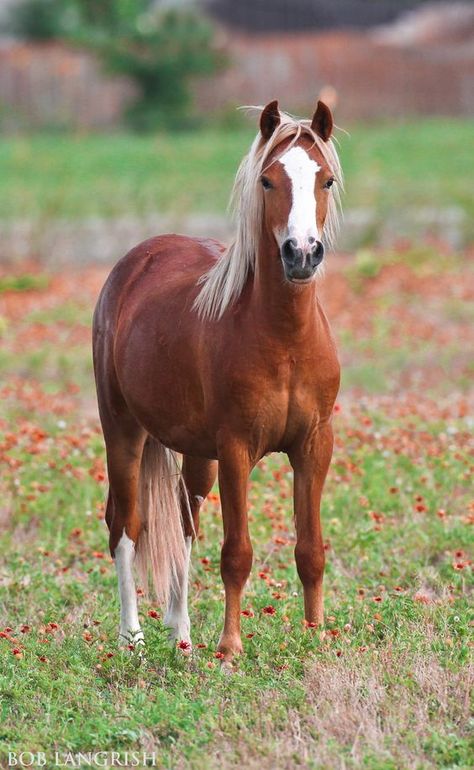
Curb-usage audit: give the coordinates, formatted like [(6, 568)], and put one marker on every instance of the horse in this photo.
[(221, 356)]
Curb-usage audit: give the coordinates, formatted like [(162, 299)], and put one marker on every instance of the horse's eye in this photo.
[(329, 183), (266, 184)]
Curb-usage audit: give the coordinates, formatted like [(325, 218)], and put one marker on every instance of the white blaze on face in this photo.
[(302, 219)]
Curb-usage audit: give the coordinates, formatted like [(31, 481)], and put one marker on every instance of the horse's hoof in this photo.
[(133, 642), (228, 667)]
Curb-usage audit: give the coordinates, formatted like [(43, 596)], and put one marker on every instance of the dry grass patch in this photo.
[(374, 710)]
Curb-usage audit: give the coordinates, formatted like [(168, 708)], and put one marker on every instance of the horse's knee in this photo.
[(236, 561), (310, 563)]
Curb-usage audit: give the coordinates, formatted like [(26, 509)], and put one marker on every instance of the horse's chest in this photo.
[(278, 402)]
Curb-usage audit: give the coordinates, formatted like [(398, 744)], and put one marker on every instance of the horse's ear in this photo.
[(322, 122), (269, 119)]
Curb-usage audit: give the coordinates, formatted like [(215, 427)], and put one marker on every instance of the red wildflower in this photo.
[(219, 655), (269, 610), (153, 614), (377, 599), (247, 613), (184, 645)]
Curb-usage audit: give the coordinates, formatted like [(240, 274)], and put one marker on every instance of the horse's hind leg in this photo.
[(198, 477), (124, 451)]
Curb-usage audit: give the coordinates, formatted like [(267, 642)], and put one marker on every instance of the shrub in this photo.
[(161, 52)]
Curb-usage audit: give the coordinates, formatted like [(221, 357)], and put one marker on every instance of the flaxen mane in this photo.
[(224, 282)]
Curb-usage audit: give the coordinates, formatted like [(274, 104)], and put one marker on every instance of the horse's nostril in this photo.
[(311, 240), (289, 249), (319, 251)]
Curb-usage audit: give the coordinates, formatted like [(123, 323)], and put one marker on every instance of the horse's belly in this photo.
[(181, 437)]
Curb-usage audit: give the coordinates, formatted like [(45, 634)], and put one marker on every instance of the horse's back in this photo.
[(165, 264)]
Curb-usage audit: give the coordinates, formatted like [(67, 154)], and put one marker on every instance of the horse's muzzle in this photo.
[(301, 265)]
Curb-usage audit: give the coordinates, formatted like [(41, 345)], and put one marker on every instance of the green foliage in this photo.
[(23, 282)]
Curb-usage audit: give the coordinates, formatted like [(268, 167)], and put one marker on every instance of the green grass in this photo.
[(385, 685), (387, 167)]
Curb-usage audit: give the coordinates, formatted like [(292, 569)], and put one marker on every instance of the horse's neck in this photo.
[(288, 309)]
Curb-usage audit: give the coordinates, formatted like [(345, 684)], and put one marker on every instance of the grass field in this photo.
[(386, 684), (388, 167)]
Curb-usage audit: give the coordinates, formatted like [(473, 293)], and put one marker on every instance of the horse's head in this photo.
[(284, 202), (296, 181)]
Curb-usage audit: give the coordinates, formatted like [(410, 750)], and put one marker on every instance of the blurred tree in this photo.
[(159, 46), (160, 49)]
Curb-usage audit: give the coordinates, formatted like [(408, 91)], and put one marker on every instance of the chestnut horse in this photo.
[(222, 356)]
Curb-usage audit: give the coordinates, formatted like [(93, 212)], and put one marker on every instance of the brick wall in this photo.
[(50, 84), (371, 78), (46, 85)]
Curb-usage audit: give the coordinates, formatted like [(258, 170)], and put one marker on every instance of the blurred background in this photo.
[(119, 119)]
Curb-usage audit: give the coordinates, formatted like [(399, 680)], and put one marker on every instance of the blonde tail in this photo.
[(161, 549)]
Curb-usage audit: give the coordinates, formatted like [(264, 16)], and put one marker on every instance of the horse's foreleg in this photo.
[(198, 477), (236, 555), (310, 463)]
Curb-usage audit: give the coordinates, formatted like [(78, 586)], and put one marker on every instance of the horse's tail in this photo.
[(161, 548)]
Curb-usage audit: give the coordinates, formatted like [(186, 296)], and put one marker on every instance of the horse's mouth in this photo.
[(302, 281)]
